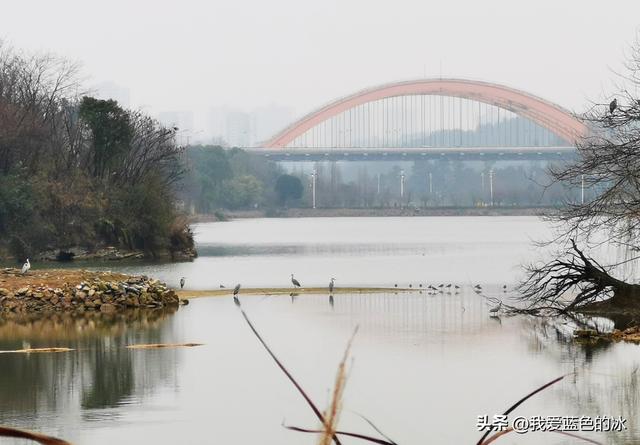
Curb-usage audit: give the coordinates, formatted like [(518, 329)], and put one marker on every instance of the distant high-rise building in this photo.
[(215, 126), (238, 129), (269, 120), (112, 91)]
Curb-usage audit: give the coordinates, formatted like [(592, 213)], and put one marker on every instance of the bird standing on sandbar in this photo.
[(181, 282), (295, 282), (613, 105), (331, 285), (235, 294), (26, 266), (493, 312)]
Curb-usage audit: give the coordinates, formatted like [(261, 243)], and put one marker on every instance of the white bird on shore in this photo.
[(181, 282), (493, 312), (295, 282), (26, 266)]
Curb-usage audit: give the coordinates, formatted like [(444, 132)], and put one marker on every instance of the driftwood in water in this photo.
[(577, 282)]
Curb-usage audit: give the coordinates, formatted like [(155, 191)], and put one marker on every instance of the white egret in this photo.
[(26, 266)]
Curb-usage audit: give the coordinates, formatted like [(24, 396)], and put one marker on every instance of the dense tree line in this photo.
[(234, 179), (78, 171)]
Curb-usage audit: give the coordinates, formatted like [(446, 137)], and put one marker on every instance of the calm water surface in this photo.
[(424, 366)]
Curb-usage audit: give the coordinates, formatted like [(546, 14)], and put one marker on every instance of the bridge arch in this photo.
[(551, 116)]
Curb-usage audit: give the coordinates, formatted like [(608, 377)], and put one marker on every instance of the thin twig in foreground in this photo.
[(521, 401), (315, 409), (40, 438)]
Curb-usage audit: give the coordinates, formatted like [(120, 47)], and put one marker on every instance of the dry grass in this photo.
[(332, 414)]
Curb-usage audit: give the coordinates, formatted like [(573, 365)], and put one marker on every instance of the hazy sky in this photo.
[(189, 54)]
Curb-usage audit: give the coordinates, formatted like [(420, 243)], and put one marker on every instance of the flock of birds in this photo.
[(441, 288)]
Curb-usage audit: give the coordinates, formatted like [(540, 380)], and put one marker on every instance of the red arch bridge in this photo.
[(430, 119)]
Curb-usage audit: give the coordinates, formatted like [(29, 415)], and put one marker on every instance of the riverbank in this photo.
[(106, 254), (224, 215), (53, 290)]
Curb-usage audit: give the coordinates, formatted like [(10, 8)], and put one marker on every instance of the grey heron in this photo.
[(295, 282), (477, 286), (457, 287), (331, 285), (613, 105), (494, 311), (26, 266), (181, 282), (236, 290), (221, 286)]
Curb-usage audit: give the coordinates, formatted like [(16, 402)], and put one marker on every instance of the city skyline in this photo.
[(247, 55)]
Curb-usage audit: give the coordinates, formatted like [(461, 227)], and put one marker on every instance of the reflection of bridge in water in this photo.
[(430, 119)]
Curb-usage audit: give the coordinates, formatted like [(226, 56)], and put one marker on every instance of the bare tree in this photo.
[(608, 162)]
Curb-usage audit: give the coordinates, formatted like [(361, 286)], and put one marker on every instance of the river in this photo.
[(423, 365)]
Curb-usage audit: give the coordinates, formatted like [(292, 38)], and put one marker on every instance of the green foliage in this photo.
[(111, 130), (143, 216), (288, 187), (81, 171), (242, 192), (230, 179), (16, 202)]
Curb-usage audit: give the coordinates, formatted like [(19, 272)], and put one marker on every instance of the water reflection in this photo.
[(425, 363), (100, 373), (605, 379)]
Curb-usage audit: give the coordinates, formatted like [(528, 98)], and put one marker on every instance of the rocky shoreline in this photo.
[(106, 254), (79, 291)]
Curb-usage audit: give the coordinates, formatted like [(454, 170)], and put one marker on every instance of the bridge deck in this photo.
[(416, 153)]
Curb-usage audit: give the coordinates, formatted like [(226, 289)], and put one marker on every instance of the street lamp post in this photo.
[(491, 185), (314, 175)]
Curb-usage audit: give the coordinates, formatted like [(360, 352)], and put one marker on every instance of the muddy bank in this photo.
[(50, 291), (290, 291), (106, 254)]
